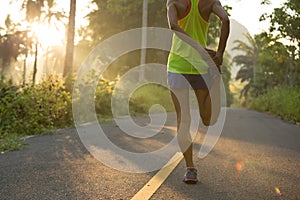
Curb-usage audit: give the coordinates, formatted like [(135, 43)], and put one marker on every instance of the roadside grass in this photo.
[(146, 96), (282, 101), (10, 142)]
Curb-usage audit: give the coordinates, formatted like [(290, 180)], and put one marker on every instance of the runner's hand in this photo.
[(218, 58)]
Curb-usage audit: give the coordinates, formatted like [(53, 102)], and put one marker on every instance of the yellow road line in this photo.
[(148, 190)]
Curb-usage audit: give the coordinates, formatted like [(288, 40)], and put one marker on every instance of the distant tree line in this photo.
[(266, 62)]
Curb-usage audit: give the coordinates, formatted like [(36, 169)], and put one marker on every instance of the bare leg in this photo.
[(209, 102), (180, 99)]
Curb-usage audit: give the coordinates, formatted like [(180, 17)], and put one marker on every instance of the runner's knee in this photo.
[(208, 121)]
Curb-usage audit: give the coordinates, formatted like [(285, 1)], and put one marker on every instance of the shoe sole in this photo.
[(190, 181)]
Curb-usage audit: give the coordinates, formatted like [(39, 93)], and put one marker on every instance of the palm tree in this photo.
[(70, 40), (11, 44), (247, 61)]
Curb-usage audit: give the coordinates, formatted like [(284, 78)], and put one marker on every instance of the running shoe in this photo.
[(190, 176)]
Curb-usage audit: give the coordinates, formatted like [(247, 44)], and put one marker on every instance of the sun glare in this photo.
[(49, 35)]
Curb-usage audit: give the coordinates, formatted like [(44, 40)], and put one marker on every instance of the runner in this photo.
[(186, 68)]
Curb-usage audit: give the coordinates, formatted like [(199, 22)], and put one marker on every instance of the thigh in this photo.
[(203, 98), (180, 99), (209, 97), (209, 102)]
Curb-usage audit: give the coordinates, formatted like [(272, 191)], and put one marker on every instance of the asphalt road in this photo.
[(256, 157)]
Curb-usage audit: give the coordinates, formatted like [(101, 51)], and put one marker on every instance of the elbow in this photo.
[(226, 24), (173, 26)]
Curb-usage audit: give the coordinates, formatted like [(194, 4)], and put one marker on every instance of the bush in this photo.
[(282, 101), (33, 110), (103, 96)]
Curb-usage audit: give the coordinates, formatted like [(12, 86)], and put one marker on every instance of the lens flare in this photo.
[(278, 192), (239, 166)]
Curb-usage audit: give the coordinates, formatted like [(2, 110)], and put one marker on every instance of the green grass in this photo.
[(281, 101), (147, 96), (10, 142)]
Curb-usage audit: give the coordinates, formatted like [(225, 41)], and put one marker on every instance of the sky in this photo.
[(247, 12), (53, 35), (82, 10)]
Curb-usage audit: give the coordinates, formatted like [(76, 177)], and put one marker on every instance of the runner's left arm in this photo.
[(221, 13)]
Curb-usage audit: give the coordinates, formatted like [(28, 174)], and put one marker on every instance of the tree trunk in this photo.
[(144, 39), (35, 63), (70, 40), (24, 72)]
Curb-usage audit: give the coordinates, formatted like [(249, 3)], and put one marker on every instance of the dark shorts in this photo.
[(186, 81)]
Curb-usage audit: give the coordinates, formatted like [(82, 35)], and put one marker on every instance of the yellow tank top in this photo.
[(183, 58)]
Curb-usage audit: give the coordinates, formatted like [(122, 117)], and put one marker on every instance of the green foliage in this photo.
[(10, 142), (281, 101), (246, 61), (120, 15), (264, 64), (103, 96), (226, 76), (33, 110), (147, 96), (286, 20), (214, 28)]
